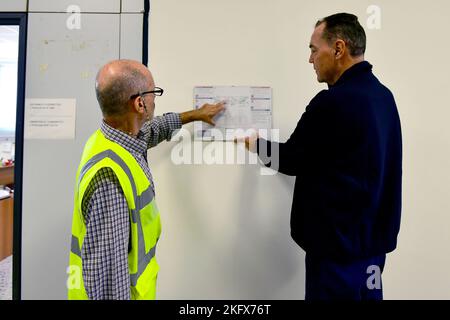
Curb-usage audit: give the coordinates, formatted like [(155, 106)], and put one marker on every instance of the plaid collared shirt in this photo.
[(106, 245)]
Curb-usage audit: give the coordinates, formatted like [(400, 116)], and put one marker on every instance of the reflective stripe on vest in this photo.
[(140, 202)]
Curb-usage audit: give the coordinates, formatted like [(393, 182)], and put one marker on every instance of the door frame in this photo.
[(18, 19)]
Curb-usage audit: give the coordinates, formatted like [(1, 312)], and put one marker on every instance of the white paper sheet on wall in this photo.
[(246, 107), (50, 118)]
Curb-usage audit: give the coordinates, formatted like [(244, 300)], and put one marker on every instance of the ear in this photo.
[(138, 105), (339, 48)]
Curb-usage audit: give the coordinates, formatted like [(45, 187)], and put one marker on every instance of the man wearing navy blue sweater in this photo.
[(346, 154)]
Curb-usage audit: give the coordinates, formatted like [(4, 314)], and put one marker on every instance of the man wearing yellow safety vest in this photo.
[(116, 223)]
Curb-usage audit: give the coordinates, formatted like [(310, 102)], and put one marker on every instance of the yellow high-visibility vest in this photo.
[(145, 224)]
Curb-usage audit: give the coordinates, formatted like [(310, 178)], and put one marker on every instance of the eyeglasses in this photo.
[(157, 92)]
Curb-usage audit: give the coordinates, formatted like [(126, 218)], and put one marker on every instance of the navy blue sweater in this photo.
[(346, 153)]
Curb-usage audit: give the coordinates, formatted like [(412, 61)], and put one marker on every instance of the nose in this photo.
[(311, 60)]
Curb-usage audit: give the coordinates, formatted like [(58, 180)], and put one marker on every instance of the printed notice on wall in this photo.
[(245, 108), (50, 118)]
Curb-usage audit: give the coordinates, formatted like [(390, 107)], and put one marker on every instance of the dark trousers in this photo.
[(355, 280)]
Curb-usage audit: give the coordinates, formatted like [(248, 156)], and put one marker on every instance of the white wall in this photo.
[(226, 227), (13, 5)]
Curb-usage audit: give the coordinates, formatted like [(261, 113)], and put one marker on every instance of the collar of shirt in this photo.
[(131, 144), (359, 68)]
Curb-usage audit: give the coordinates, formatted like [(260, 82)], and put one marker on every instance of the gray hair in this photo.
[(345, 26)]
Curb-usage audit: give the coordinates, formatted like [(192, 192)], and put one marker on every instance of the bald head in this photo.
[(117, 81)]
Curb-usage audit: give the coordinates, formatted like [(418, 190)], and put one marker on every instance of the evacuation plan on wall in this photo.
[(245, 108)]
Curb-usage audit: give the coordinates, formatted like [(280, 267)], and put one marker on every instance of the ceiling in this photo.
[(9, 42), (9, 34)]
